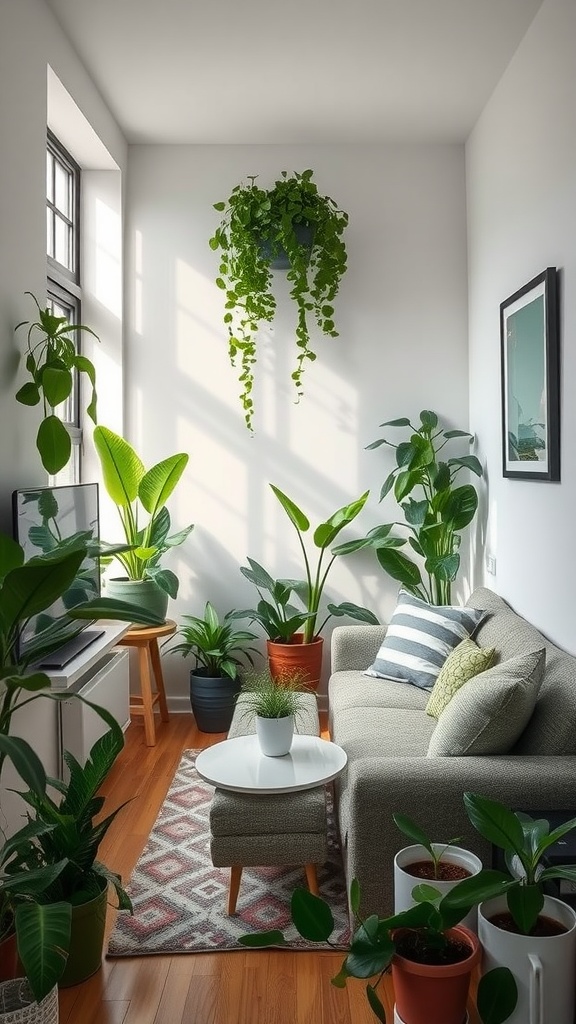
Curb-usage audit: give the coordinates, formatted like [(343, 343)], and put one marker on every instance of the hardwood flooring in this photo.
[(245, 987)]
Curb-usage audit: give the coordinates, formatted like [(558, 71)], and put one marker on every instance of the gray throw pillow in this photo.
[(419, 639), (488, 713)]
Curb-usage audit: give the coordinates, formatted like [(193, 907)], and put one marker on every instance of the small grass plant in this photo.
[(265, 697)]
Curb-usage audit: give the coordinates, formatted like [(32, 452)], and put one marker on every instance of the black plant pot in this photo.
[(304, 236), (213, 701)]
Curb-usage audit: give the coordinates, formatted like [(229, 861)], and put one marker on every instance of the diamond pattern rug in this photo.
[(179, 897)]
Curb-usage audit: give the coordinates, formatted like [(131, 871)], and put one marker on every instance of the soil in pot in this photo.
[(412, 946), (446, 872), (544, 925)]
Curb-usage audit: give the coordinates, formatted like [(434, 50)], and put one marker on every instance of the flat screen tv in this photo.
[(45, 518)]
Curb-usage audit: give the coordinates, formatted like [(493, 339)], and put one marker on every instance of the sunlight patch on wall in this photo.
[(137, 262), (107, 278)]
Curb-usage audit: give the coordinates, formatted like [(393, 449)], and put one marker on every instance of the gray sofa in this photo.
[(385, 731)]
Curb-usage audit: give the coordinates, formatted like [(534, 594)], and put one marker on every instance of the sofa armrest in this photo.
[(355, 647), (430, 790)]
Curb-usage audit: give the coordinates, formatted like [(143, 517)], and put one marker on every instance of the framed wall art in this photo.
[(530, 352)]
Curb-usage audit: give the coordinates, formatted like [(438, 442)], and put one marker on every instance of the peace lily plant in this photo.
[(258, 225)]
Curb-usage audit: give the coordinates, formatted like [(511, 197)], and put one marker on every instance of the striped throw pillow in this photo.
[(419, 639)]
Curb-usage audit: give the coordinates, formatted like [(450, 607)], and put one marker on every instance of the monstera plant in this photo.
[(290, 225)]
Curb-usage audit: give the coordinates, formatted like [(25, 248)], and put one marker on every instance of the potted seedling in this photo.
[(430, 955), (219, 650), (521, 927), (274, 704), (289, 225), (140, 497), (430, 868), (293, 630)]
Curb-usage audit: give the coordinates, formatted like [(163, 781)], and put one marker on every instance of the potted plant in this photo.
[(52, 361), (521, 927), (68, 839), (274, 704), (132, 488), (218, 649), (430, 955), (288, 648), (434, 517), (26, 589), (430, 868), (291, 220)]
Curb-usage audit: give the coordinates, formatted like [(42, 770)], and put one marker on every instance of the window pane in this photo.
[(63, 248), (62, 183), (49, 232), (49, 177)]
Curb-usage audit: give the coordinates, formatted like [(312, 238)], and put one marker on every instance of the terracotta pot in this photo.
[(297, 657), (10, 966), (435, 994)]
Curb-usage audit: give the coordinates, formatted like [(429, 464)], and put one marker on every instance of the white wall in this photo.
[(402, 318), (521, 183), (30, 39)]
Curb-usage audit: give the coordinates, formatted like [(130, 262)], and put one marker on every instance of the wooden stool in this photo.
[(145, 639)]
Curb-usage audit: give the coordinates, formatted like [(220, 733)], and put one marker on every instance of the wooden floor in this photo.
[(245, 987)]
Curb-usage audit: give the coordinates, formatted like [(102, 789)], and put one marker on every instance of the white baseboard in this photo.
[(179, 704)]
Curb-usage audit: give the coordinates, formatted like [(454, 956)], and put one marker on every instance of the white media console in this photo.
[(100, 673)]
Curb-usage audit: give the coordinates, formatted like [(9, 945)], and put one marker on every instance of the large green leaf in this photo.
[(11, 555), (405, 482), (122, 468), (43, 937), (354, 611), (57, 385), (495, 822), (428, 419), (110, 608), (525, 903), (31, 588), (25, 760), (497, 996), (158, 483), (399, 567), (54, 444), (295, 514), (312, 916), (468, 462), (460, 508)]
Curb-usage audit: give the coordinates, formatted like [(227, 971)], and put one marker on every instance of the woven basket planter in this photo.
[(18, 1006)]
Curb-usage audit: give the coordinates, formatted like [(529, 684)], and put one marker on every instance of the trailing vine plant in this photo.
[(51, 361), (258, 226)]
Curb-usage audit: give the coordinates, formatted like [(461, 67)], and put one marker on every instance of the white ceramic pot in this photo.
[(404, 882), (275, 735), (398, 1018), (542, 966)]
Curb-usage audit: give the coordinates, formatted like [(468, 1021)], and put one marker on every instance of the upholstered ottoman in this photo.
[(254, 830)]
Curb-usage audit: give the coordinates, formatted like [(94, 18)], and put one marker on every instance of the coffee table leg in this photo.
[(312, 878), (235, 876)]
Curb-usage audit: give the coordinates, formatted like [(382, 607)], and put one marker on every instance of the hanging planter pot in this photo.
[(277, 257), (413, 866), (543, 965), (275, 735), (297, 657), (428, 993), (18, 1006)]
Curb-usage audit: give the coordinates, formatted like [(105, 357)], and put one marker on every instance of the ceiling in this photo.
[(300, 71)]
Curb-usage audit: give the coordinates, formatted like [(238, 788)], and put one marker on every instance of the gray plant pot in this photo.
[(143, 593), (213, 701), (304, 236)]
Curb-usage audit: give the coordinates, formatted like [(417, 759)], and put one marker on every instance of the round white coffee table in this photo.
[(239, 765)]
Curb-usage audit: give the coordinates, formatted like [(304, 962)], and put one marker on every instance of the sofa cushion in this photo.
[(383, 732), (419, 638), (552, 727), (465, 661), (488, 713)]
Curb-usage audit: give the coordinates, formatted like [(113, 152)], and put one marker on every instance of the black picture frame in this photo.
[(530, 380)]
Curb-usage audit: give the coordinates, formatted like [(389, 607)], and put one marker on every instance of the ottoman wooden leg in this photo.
[(312, 879), (234, 888)]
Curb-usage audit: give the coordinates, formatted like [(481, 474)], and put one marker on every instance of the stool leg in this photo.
[(146, 690), (235, 876), (157, 666), (312, 878)]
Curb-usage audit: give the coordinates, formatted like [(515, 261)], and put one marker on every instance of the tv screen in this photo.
[(47, 518)]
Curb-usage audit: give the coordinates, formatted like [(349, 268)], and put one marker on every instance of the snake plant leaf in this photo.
[(54, 444), (296, 516), (122, 468), (157, 484)]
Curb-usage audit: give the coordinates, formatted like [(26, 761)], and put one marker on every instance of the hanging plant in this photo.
[(51, 361), (259, 226)]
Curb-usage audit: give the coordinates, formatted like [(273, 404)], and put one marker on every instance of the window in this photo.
[(63, 284)]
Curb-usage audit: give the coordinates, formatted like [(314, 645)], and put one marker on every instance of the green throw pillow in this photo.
[(465, 661), (489, 716)]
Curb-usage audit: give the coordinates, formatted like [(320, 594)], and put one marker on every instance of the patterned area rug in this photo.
[(179, 897)]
